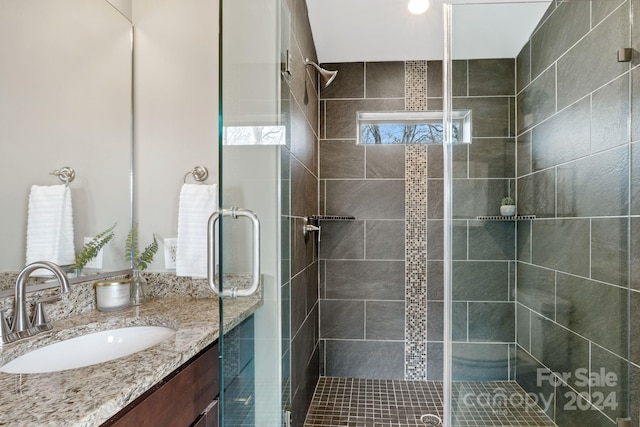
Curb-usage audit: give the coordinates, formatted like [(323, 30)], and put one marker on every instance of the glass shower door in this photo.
[(248, 225), (540, 301)]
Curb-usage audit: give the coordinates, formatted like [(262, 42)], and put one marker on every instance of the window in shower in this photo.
[(411, 127), (254, 135)]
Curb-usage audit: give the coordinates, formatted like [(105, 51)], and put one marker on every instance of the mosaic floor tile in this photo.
[(352, 402)]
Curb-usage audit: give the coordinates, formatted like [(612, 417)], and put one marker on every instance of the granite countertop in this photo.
[(91, 395)]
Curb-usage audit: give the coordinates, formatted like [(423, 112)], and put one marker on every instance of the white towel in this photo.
[(50, 226), (197, 203)]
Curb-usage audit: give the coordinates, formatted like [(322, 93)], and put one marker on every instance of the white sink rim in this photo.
[(89, 349)]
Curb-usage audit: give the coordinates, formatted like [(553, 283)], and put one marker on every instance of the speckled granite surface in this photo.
[(91, 395), (8, 279)]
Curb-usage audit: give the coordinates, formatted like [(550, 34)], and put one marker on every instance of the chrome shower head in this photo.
[(327, 76)]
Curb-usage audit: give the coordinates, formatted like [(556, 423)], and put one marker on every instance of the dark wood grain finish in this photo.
[(210, 417), (180, 399)]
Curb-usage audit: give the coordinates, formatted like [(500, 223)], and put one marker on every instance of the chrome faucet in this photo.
[(21, 326)]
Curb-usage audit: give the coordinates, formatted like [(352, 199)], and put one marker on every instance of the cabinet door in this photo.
[(240, 375), (179, 400)]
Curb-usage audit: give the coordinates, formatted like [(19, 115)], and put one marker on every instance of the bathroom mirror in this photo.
[(65, 100)]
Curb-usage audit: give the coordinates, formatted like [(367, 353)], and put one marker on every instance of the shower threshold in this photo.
[(353, 402)]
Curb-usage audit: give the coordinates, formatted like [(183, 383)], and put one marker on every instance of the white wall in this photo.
[(176, 93), (251, 62), (124, 6)]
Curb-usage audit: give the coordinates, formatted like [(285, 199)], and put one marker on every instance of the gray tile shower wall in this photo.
[(299, 166), (381, 290), (576, 172), (483, 315), (362, 262)]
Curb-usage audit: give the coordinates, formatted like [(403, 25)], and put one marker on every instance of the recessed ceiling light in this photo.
[(418, 6)]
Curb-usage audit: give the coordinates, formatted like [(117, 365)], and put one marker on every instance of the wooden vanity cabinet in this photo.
[(209, 418), (187, 397)]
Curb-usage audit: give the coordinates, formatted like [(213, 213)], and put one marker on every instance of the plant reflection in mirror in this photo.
[(91, 249)]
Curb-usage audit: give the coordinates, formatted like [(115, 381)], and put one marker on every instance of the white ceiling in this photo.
[(384, 30)]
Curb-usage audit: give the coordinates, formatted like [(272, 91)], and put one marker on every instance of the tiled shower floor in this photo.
[(351, 402)]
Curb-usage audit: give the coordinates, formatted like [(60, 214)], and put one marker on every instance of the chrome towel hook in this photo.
[(65, 173), (199, 173)]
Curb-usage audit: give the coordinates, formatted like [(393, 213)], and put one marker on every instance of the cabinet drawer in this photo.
[(210, 417), (179, 399)]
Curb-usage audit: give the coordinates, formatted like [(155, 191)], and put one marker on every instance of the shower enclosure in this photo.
[(541, 302), (430, 295), (252, 131), (520, 320)]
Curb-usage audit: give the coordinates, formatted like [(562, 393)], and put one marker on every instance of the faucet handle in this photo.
[(40, 321), (310, 224), (5, 332)]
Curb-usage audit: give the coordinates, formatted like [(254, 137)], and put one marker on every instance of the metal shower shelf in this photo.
[(331, 218), (505, 218)]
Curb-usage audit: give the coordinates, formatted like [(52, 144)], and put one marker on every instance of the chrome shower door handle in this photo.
[(234, 213)]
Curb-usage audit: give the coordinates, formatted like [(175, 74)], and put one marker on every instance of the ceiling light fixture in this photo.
[(418, 6)]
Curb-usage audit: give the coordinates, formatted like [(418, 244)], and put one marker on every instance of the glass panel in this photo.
[(539, 317), (251, 135)]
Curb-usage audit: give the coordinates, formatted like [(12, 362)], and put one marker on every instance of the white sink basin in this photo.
[(87, 350)]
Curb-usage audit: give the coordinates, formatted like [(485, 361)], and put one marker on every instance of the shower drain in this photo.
[(431, 420)]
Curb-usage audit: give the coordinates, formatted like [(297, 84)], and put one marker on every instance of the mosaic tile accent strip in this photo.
[(415, 231), (349, 402), (415, 262), (415, 85)]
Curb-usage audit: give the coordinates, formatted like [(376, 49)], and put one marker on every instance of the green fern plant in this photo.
[(91, 249), (139, 260)]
